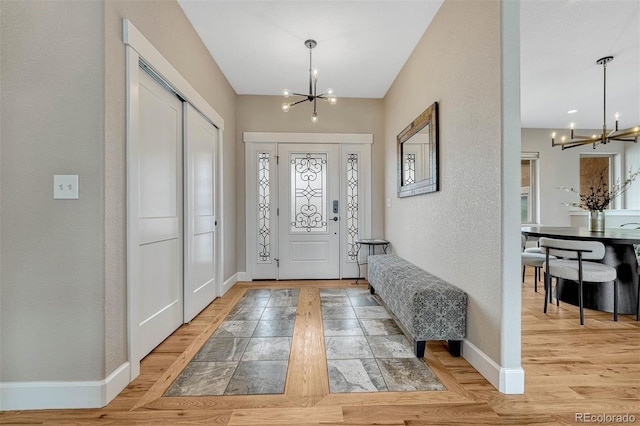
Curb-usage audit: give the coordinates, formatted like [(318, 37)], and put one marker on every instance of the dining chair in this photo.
[(532, 257), (575, 266)]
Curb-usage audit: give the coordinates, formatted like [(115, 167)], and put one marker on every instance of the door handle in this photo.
[(335, 218)]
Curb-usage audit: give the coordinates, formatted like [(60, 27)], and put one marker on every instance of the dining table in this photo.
[(619, 253)]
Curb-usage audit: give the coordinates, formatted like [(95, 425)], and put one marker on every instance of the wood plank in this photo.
[(307, 377)]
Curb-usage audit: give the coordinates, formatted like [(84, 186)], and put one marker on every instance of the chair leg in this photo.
[(615, 300), (536, 275), (638, 302), (580, 301), (557, 293), (523, 267), (547, 284)]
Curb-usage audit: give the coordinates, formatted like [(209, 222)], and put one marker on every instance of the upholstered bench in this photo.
[(427, 307)]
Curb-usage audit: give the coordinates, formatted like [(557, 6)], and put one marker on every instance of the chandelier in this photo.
[(627, 135), (312, 96)]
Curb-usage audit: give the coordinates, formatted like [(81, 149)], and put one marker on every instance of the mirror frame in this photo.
[(431, 183)]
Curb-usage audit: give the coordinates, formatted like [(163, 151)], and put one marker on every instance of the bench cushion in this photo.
[(428, 307)]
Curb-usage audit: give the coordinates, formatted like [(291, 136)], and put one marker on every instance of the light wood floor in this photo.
[(569, 369)]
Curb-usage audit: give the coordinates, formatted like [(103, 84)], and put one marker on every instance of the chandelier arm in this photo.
[(299, 94), (567, 145), (632, 131), (298, 102)]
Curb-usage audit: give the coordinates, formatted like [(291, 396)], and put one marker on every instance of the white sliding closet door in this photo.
[(157, 175), (201, 141)]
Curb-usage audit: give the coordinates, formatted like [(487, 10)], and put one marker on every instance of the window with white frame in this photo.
[(529, 187)]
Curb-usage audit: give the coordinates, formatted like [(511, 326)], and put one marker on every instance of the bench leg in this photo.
[(455, 347), (371, 289), (420, 346)]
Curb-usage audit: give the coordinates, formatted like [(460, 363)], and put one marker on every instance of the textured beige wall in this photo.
[(455, 233), (63, 263), (349, 115), (52, 251)]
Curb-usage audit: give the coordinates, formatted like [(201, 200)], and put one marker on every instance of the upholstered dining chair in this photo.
[(532, 257), (575, 266)]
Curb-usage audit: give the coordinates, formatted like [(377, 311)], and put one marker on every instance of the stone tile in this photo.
[(222, 349), (409, 374), (355, 375), (252, 302), (245, 314), (285, 292), (380, 327), (284, 313), (337, 312), (258, 292), (364, 301), (267, 349), (202, 378), (347, 347), (391, 346), (258, 377), (342, 327), (235, 329), (358, 292), (283, 301), (370, 312), (335, 301), (276, 328), (332, 292)]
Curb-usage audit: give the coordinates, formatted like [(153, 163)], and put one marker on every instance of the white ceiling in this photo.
[(362, 45)]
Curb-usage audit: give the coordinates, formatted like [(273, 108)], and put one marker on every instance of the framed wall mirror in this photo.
[(418, 155)]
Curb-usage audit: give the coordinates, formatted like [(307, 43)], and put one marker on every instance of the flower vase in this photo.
[(596, 220)]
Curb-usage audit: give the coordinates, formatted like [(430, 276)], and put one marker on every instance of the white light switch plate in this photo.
[(65, 187)]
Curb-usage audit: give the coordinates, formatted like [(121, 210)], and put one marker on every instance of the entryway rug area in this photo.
[(249, 352), (366, 350)]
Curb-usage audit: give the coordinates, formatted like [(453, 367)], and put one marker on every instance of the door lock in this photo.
[(335, 218)]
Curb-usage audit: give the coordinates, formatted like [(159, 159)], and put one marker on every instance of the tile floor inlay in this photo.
[(366, 350), (249, 352)]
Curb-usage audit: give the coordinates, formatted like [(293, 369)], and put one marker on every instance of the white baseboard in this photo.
[(59, 395), (244, 276), (506, 380), (228, 283)]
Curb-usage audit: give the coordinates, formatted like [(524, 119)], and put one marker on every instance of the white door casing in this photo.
[(158, 207), (263, 197), (200, 147), (309, 185)]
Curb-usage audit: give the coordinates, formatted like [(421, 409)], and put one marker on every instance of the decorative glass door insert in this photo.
[(308, 192)]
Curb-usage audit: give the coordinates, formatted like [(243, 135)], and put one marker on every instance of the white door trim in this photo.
[(137, 47), (267, 142)]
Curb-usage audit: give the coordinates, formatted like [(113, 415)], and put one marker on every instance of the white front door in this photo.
[(309, 228), (201, 141), (157, 209)]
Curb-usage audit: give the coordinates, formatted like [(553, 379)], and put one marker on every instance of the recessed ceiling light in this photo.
[(573, 111)]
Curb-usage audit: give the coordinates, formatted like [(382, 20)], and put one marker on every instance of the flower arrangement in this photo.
[(599, 195)]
